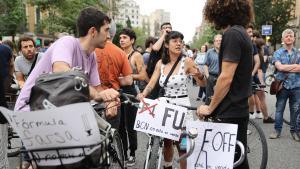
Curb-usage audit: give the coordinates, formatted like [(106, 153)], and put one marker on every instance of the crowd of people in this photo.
[(224, 71)]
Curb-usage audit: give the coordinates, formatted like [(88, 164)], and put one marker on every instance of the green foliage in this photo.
[(206, 37), (12, 17), (117, 36), (141, 36), (128, 22), (276, 13), (63, 13)]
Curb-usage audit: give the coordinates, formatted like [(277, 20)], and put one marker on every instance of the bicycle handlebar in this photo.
[(259, 87)]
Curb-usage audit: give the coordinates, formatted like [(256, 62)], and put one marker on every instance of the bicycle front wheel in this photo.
[(153, 155), (117, 159), (257, 148)]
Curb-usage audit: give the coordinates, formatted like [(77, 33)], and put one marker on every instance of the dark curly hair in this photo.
[(90, 17), (129, 32), (171, 35), (223, 13)]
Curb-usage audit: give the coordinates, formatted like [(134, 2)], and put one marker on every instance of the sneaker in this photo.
[(198, 99), (131, 161), (252, 116), (269, 120), (274, 135), (295, 137), (258, 115)]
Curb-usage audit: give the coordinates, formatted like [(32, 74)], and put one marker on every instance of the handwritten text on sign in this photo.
[(160, 119), (215, 145), (72, 125)]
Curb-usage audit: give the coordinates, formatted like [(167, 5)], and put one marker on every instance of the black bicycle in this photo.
[(13, 143), (109, 153)]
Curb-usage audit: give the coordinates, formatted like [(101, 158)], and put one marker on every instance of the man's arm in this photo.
[(158, 44), (126, 80), (206, 71), (126, 72), (141, 71), (260, 76), (223, 84), (256, 65), (20, 79), (287, 68), (296, 69)]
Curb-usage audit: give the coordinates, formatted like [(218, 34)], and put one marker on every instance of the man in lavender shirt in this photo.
[(68, 52)]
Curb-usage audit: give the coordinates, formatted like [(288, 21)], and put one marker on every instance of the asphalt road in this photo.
[(284, 153)]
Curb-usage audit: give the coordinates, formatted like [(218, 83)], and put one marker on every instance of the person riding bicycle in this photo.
[(69, 52), (229, 103), (176, 87)]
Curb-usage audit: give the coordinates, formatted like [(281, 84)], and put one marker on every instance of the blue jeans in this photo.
[(294, 102)]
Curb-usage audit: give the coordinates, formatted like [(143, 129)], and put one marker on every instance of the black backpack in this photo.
[(59, 89)]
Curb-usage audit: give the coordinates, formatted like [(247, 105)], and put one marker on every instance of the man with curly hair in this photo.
[(229, 103)]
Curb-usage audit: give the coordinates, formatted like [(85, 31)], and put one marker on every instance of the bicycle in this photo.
[(110, 154), (14, 143), (257, 147), (155, 147)]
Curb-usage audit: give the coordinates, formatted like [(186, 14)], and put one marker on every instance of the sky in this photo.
[(185, 15)]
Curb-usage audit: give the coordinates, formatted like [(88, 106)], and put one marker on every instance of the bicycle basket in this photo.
[(60, 157)]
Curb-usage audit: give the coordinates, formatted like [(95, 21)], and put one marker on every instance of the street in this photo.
[(284, 153)]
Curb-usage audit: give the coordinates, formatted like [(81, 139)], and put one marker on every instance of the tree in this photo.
[(128, 22), (63, 13), (206, 36), (141, 36), (12, 17), (276, 13), (117, 36)]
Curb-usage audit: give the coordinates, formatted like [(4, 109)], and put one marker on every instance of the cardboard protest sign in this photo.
[(66, 126), (214, 146), (160, 118)]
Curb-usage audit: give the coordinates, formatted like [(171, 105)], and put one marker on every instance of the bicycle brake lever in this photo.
[(192, 133)]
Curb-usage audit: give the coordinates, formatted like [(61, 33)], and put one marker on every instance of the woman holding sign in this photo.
[(172, 72)]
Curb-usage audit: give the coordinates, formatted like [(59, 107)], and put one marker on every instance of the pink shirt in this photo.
[(66, 49)]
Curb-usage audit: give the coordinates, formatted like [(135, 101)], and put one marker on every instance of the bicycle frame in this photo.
[(192, 134)]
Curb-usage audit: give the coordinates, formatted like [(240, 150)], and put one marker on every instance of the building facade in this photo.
[(156, 18), (128, 10)]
